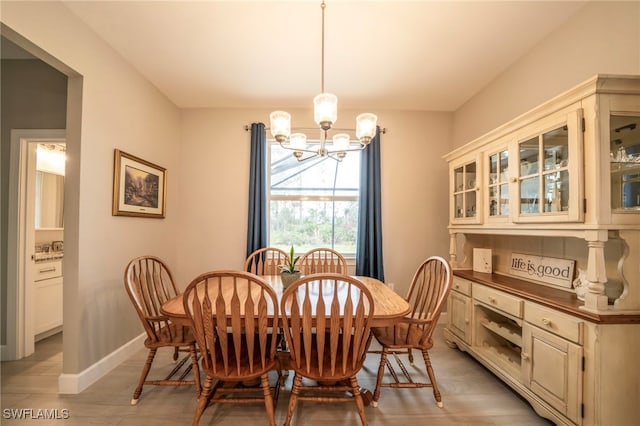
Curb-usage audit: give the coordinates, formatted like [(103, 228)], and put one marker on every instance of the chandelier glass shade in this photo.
[(325, 114)]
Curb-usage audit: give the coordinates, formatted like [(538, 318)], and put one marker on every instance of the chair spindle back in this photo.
[(323, 260), (235, 317), (326, 319), (149, 283)]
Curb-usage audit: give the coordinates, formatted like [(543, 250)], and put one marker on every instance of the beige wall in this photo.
[(119, 109), (215, 177), (603, 38)]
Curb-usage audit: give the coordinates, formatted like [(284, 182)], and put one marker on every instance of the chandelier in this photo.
[(325, 113)]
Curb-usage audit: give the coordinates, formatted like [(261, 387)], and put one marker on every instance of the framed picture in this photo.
[(139, 187)]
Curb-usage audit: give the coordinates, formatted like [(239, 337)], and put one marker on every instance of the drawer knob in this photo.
[(546, 322), (457, 286), (492, 300), (524, 356)]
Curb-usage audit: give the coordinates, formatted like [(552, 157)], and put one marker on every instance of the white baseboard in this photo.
[(76, 383), (4, 353)]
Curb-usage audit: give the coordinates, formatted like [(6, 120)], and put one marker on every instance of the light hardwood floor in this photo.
[(471, 396)]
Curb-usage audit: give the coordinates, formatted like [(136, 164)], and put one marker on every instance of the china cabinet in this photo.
[(568, 168), (566, 172)]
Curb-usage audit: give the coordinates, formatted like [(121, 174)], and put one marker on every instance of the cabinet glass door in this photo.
[(465, 200), (499, 184), (544, 176), (625, 162), (555, 145), (529, 176)]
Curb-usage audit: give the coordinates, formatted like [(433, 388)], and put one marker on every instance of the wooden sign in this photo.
[(548, 270)]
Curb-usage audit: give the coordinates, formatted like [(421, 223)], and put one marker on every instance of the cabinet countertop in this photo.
[(48, 257), (557, 299)]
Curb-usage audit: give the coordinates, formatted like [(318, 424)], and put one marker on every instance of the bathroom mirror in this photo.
[(49, 186), (49, 200)]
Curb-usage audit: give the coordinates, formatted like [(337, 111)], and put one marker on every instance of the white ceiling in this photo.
[(415, 55)]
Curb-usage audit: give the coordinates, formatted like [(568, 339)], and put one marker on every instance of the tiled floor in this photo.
[(471, 396)]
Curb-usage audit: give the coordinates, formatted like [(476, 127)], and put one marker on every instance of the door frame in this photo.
[(21, 239)]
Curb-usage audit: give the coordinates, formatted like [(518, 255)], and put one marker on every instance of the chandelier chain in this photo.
[(322, 6)]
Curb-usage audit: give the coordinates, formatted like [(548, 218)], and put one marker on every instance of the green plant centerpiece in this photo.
[(289, 272)]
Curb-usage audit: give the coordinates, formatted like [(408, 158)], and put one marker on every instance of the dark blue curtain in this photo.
[(257, 221), (369, 249)]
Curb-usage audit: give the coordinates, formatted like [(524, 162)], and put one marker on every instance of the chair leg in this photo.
[(410, 356), (293, 398), (143, 375), (432, 377), (195, 368), (203, 400), (355, 388), (176, 353), (268, 399), (383, 361)]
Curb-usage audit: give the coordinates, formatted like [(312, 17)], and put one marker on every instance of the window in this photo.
[(313, 203)]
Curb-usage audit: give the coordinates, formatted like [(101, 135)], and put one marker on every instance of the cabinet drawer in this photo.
[(553, 321), (499, 300), (46, 270), (461, 286)]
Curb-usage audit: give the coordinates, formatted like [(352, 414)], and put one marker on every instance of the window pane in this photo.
[(313, 203), (504, 166), (529, 157), (556, 148), (493, 201), (315, 176), (504, 199), (309, 224), (557, 191), (529, 202)]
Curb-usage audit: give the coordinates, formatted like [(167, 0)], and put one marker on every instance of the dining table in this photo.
[(389, 307)]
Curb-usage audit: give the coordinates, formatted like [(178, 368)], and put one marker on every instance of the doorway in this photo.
[(35, 275), (30, 116)]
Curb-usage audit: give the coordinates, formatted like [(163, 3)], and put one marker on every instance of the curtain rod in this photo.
[(383, 130)]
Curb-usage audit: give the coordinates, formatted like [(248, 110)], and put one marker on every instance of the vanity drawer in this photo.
[(498, 300), (46, 270), (461, 286), (553, 321)]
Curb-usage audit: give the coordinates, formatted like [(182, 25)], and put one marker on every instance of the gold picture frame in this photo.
[(139, 187)]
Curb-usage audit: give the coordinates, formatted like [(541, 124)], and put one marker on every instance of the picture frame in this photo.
[(139, 187)]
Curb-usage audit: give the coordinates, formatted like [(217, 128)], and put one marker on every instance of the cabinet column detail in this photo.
[(629, 268), (453, 249), (595, 299)]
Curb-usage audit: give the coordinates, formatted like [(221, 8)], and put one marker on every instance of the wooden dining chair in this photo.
[(149, 284), (427, 295), (326, 320), (234, 316), (322, 260), (266, 261)]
